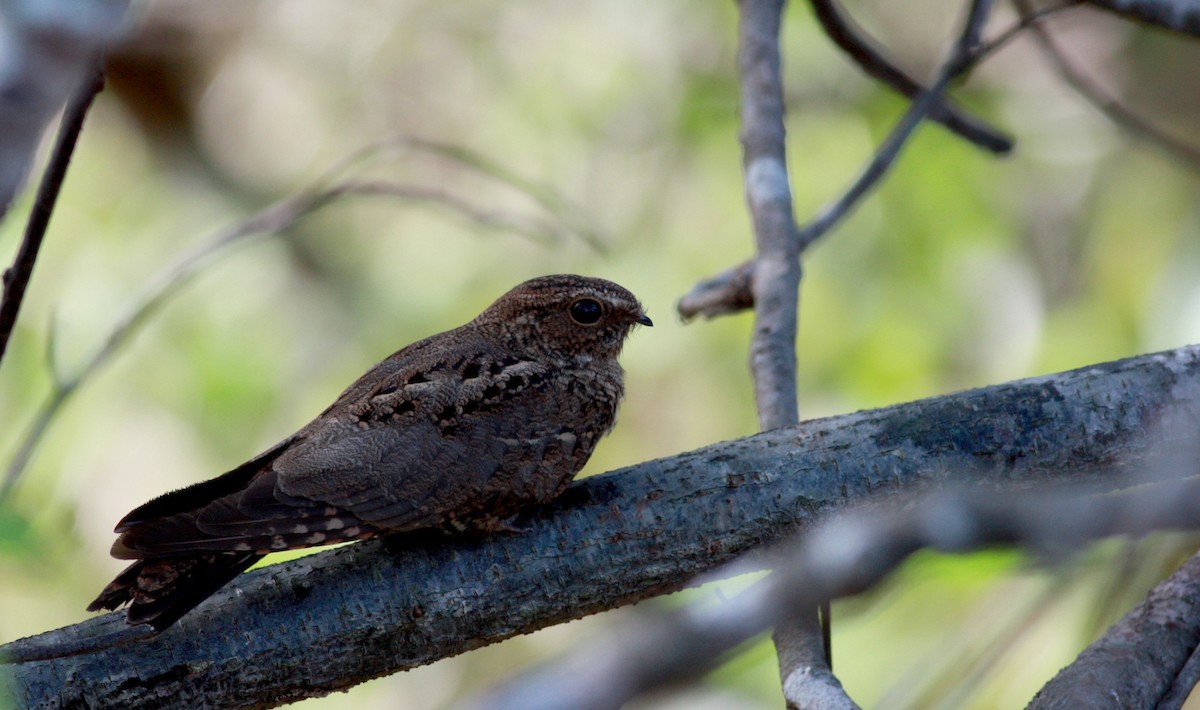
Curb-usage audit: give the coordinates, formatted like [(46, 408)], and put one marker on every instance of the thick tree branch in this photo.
[(333, 619)]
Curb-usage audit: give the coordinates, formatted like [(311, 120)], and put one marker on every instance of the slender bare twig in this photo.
[(842, 557), (568, 218), (1104, 101), (1006, 36), (798, 640), (16, 277), (853, 40), (725, 293), (966, 44), (273, 219)]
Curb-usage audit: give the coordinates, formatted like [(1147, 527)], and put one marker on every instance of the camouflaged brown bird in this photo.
[(463, 429)]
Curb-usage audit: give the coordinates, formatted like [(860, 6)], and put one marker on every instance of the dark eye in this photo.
[(586, 311)]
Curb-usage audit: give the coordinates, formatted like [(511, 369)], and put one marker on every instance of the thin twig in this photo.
[(569, 216), (275, 218), (725, 293), (960, 60), (16, 278), (1101, 99), (1024, 22), (861, 47)]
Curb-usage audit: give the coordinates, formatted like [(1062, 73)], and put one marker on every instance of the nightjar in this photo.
[(463, 429)]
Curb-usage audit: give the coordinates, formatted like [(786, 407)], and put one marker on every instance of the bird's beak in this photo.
[(644, 319)]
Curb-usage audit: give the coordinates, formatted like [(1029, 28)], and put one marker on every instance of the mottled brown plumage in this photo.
[(463, 429)]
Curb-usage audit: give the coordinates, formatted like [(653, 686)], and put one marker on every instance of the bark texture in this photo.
[(336, 618), (1134, 664)]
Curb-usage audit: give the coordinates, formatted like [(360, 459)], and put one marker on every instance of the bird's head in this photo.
[(565, 317)]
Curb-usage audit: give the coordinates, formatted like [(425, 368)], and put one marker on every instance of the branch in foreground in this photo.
[(1135, 662), (336, 618), (16, 278), (855, 42), (853, 553)]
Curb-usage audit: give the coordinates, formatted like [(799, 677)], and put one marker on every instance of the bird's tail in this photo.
[(161, 590)]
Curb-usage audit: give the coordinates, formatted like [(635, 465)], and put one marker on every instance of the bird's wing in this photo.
[(440, 445), (408, 448)]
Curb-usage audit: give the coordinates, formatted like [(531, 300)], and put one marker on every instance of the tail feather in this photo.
[(159, 591)]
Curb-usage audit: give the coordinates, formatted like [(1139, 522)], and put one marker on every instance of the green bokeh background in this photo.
[(962, 270)]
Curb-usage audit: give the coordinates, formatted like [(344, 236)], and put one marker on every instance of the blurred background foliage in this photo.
[(962, 270)]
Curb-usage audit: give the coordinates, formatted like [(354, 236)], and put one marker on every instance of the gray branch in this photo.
[(1136, 661), (854, 552), (775, 276), (775, 280), (330, 620)]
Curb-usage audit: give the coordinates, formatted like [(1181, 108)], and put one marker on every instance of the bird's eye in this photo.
[(586, 311)]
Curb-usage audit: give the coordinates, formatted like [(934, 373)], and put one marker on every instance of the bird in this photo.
[(463, 430)]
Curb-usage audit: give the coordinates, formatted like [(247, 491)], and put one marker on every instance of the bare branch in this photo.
[(50, 47), (775, 279), (727, 292), (16, 278), (775, 276), (1185, 681), (960, 58), (807, 681), (720, 295), (1135, 662), (861, 48), (332, 619), (1104, 101)]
